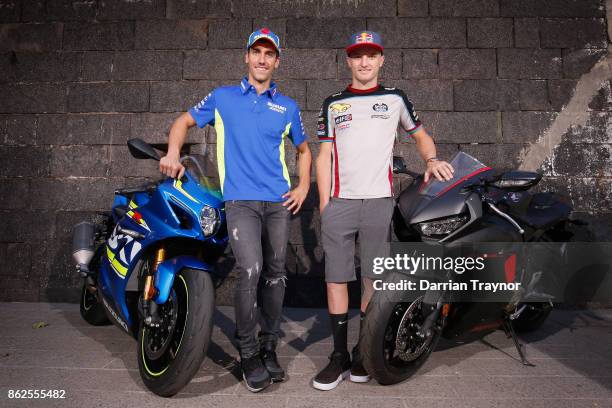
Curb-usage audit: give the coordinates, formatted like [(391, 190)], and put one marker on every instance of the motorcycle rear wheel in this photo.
[(92, 311), (535, 314), (170, 355), (532, 318), (391, 318)]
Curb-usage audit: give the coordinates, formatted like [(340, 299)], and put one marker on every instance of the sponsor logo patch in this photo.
[(380, 116), (302, 124), (276, 108), (343, 118), (264, 35), (380, 107), (200, 105), (115, 316), (121, 251), (339, 107), (364, 38)]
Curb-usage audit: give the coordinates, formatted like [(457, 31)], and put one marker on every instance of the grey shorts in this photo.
[(341, 221)]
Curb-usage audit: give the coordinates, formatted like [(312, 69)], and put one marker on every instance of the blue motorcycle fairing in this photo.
[(151, 214), (167, 270)]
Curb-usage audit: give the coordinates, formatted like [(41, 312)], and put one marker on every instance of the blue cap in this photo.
[(264, 34), (363, 39)]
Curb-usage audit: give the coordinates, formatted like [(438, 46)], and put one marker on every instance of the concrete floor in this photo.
[(96, 366)]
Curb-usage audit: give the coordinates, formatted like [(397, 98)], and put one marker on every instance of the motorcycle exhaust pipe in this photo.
[(83, 235)]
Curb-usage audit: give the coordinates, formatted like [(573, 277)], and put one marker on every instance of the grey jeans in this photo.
[(258, 232)]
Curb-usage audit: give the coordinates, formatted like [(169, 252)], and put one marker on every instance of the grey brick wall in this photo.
[(79, 78)]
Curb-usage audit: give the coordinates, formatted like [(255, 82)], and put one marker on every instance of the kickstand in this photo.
[(519, 347)]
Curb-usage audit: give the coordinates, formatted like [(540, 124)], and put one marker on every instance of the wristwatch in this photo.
[(431, 159)]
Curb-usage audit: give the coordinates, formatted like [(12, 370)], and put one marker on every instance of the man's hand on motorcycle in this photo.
[(439, 169), (295, 198), (171, 167)]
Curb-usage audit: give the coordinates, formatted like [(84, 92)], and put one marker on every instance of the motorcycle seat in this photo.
[(544, 210)]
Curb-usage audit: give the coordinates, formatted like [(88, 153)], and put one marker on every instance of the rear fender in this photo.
[(167, 270)]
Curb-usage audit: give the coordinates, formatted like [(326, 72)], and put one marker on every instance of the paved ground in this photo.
[(97, 366)]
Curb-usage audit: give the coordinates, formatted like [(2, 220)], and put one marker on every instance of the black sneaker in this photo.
[(337, 370), (358, 373), (255, 375), (270, 362)]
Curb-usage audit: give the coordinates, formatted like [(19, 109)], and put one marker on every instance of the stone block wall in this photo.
[(496, 78)]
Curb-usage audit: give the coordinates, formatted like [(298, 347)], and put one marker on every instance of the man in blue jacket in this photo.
[(252, 120)]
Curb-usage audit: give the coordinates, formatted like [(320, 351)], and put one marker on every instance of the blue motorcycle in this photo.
[(147, 268)]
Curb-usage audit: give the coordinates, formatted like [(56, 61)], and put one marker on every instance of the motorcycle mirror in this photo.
[(516, 180), (142, 150), (481, 184), (399, 166), (469, 187)]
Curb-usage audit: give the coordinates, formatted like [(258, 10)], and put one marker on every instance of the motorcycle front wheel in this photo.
[(390, 347), (171, 354)]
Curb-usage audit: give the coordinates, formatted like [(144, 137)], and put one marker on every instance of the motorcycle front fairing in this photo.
[(171, 211), (436, 200)]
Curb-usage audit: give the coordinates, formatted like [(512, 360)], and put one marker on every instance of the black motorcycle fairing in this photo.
[(474, 206), (460, 324), (417, 208), (540, 210), (404, 232), (438, 199), (431, 208), (488, 228), (408, 198)]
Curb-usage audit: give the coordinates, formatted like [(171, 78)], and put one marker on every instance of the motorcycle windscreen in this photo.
[(465, 167), (431, 200), (205, 173)]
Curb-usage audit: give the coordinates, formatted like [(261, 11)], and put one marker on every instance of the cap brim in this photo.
[(353, 47), (268, 40)]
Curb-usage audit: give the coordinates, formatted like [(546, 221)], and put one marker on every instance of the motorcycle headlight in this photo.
[(442, 227), (209, 220)]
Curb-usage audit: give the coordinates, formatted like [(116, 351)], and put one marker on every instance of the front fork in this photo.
[(433, 307), (149, 307)]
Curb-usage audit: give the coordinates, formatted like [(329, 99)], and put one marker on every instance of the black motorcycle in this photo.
[(479, 205)]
